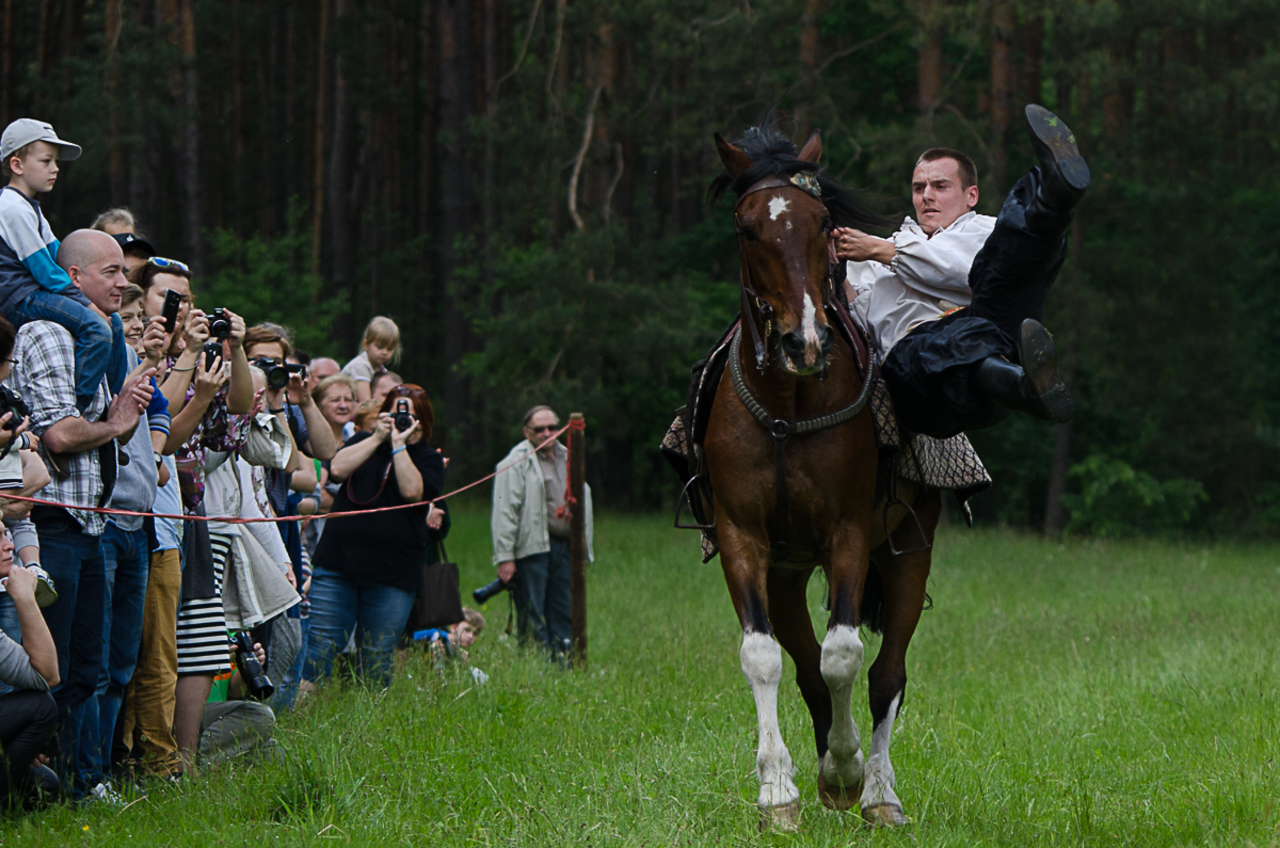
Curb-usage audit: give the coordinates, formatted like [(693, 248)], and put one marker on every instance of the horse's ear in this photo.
[(812, 151), (735, 161)]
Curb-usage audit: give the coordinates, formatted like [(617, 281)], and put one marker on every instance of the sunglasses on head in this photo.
[(161, 262)]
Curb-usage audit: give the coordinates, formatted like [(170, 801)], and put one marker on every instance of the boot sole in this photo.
[(1054, 134), (1040, 365)]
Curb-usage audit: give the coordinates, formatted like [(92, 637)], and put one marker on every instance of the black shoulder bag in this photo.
[(439, 602)]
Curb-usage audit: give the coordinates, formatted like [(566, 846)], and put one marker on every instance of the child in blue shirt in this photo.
[(32, 286)]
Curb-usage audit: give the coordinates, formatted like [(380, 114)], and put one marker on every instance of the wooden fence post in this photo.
[(578, 538)]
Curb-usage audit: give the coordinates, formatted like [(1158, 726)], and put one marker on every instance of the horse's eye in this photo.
[(748, 234), (828, 226)]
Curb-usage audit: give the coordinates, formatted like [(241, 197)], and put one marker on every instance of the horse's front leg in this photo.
[(745, 567), (840, 774)]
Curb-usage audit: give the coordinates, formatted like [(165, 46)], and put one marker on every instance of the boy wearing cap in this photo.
[(32, 286)]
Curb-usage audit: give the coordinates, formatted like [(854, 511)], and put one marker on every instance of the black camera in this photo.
[(172, 305), (485, 593), (219, 329), (219, 324), (403, 419), (255, 679), (11, 401), (278, 374)]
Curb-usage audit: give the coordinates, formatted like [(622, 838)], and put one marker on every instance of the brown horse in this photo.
[(825, 478)]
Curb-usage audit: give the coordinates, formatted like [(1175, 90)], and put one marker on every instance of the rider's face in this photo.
[(938, 196)]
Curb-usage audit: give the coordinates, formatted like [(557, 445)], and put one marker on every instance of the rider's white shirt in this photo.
[(927, 278)]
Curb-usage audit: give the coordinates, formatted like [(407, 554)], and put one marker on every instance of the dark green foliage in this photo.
[(1164, 312)]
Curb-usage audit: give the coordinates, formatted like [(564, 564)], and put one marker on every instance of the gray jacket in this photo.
[(519, 522)]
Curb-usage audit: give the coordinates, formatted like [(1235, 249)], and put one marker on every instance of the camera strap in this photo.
[(351, 490)]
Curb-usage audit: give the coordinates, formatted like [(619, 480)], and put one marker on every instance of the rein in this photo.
[(780, 429)]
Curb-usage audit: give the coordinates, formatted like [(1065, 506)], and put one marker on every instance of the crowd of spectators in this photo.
[(134, 642)]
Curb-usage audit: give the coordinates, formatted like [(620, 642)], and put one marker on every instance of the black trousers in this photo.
[(27, 719), (928, 369)]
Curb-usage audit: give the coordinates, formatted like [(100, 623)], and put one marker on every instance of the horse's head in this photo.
[(786, 209), (782, 227)]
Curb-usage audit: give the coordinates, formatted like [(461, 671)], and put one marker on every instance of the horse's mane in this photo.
[(774, 154)]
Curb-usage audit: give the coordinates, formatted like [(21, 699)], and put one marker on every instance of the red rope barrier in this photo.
[(328, 515)]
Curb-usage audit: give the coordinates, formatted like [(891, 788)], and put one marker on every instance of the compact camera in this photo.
[(219, 329)]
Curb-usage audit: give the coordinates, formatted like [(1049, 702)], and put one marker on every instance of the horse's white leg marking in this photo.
[(777, 205), (841, 662), (880, 779), (762, 665)]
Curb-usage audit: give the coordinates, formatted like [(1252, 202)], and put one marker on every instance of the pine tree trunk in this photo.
[(7, 62), (929, 91), (321, 132), (1001, 92), (457, 95), (1033, 47), (178, 19), (808, 66), (115, 155), (345, 173)]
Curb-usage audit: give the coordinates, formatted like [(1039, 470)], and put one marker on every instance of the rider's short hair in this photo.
[(968, 170)]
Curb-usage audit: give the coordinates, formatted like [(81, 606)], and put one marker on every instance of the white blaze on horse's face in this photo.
[(809, 327), (777, 205)]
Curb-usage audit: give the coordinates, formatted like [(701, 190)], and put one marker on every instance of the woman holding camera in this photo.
[(367, 567)]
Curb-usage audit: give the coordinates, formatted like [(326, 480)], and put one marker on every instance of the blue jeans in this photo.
[(9, 624), (287, 688), (339, 604), (544, 598), (126, 565), (74, 561), (99, 348)]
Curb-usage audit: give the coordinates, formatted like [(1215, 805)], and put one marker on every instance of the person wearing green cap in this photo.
[(32, 286)]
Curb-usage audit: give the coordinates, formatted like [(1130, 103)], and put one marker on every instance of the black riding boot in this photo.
[(1064, 176), (1035, 387)]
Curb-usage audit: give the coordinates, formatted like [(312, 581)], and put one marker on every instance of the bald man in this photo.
[(80, 450), (32, 290)]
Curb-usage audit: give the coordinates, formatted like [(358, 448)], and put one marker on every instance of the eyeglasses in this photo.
[(161, 262), (551, 428)]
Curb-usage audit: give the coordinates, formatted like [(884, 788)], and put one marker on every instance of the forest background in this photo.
[(520, 184)]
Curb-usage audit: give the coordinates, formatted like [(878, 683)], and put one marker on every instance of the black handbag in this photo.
[(439, 601)]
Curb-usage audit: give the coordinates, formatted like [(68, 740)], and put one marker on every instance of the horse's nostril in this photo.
[(827, 338), (793, 343)]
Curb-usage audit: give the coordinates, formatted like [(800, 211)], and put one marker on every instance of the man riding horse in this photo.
[(953, 301), (788, 468)]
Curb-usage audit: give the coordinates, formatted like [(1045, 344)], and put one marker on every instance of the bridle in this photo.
[(801, 182), (780, 429)]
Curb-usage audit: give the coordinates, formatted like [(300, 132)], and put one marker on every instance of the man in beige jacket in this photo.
[(531, 532)]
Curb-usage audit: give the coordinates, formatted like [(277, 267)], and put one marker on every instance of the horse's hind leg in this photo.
[(840, 770), (745, 568), (904, 579)]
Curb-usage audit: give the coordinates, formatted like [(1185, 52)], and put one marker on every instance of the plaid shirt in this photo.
[(44, 373)]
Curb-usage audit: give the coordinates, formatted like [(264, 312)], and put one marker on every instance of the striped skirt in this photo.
[(203, 646)]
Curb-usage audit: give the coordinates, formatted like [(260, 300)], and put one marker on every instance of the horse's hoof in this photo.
[(784, 817), (835, 798), (884, 815)]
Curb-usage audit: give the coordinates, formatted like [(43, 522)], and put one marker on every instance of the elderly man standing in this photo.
[(954, 301), (81, 453), (531, 532)]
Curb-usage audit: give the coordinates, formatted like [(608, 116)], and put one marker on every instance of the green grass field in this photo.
[(1086, 694)]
